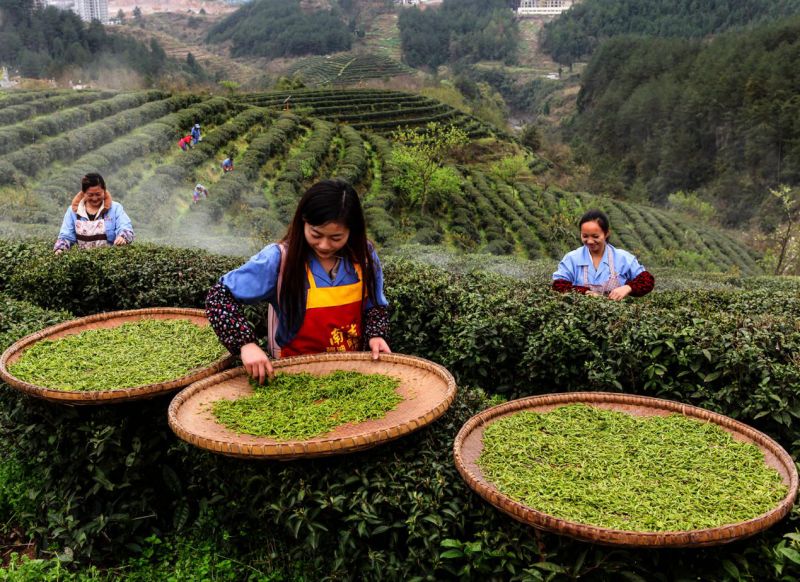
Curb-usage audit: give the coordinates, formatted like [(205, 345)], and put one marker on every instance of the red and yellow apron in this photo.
[(332, 322)]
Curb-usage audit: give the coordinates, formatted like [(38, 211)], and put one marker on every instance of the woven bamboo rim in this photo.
[(468, 446), (428, 390), (106, 320)]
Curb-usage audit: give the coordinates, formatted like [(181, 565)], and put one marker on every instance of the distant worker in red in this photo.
[(185, 142)]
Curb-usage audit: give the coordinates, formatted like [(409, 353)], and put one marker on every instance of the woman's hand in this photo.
[(119, 241), (256, 362), (378, 345), (592, 294), (59, 251), (620, 293)]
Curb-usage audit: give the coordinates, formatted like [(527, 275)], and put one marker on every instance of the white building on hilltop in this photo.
[(62, 4), (90, 10), (539, 7)]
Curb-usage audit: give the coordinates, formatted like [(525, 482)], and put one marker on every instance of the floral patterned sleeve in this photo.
[(62, 244), (227, 318), (563, 286), (641, 284), (376, 323)]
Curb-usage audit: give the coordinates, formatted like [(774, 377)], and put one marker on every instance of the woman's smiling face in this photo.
[(94, 196), (593, 237), (326, 239)]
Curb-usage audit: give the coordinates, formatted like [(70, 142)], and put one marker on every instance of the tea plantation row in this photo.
[(131, 140), (102, 483)]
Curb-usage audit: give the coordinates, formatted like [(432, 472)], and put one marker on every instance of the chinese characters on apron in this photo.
[(332, 322)]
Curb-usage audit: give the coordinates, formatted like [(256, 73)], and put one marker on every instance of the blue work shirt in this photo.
[(571, 266), (257, 281), (116, 220)]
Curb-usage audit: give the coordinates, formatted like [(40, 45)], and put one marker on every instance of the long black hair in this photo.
[(326, 201)]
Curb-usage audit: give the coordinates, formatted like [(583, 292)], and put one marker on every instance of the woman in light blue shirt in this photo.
[(93, 219), (598, 268)]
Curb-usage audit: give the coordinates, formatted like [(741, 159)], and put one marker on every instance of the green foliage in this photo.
[(690, 203), (13, 498), (531, 137), (787, 247), (23, 133), (650, 118), (577, 33), (173, 559), (419, 158), (459, 30), (280, 28), (102, 280), (345, 69), (102, 481), (44, 42), (510, 168)]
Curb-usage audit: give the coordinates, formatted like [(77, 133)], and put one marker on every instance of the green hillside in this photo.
[(719, 117), (499, 207), (346, 69), (576, 34)]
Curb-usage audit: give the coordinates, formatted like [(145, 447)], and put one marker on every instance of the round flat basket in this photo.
[(106, 320), (469, 444), (427, 389)]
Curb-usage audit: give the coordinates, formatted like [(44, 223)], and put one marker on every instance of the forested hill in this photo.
[(720, 117), (577, 33), (280, 28), (458, 30), (46, 42)]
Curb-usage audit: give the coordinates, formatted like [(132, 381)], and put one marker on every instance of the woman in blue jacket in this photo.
[(598, 268), (93, 219)]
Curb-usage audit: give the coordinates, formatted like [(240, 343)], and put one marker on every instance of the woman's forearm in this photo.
[(227, 319), (376, 323), (642, 284)]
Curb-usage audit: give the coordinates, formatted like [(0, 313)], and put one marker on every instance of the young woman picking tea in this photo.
[(323, 282)]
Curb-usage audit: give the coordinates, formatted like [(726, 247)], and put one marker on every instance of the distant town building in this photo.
[(90, 10), (62, 4), (539, 7), (416, 2), (5, 81)]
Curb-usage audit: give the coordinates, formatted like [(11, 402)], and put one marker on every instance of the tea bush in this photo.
[(102, 481)]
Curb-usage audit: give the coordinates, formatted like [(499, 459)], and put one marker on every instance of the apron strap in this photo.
[(272, 315)]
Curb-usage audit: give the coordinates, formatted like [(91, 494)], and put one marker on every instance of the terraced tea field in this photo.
[(281, 143), (347, 69)]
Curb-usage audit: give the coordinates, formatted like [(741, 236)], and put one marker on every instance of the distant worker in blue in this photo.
[(196, 137), (199, 191), (598, 268), (227, 164), (93, 219)]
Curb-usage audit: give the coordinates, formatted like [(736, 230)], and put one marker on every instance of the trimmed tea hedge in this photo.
[(101, 480)]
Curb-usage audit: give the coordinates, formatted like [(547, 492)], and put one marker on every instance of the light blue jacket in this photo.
[(571, 266), (117, 224), (257, 281)]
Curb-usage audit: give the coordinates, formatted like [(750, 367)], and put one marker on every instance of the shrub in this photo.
[(102, 480)]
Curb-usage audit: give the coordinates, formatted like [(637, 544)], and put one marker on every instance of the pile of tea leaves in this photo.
[(137, 353), (302, 406), (614, 470)]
